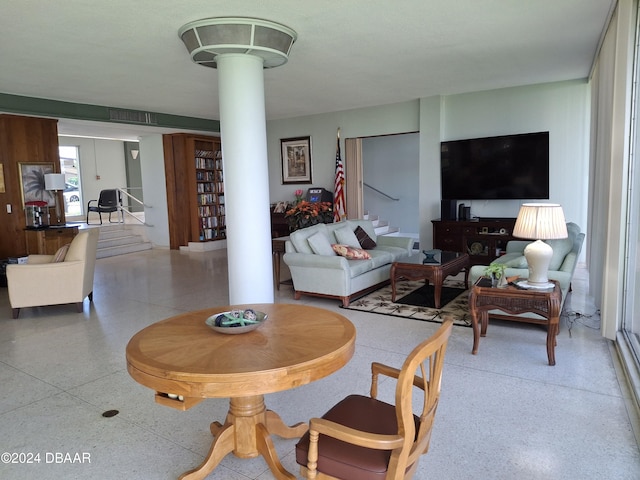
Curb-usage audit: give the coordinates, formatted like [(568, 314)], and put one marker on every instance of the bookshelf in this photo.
[(209, 221), (195, 189)]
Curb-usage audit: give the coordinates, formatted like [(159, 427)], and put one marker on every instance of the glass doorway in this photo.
[(70, 167)]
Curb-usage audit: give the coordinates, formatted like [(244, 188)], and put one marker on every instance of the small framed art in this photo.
[(296, 159), (32, 183)]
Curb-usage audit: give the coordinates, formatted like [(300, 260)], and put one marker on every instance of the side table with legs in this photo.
[(514, 301), (278, 248)]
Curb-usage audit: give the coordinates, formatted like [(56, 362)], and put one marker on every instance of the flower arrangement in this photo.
[(305, 214), (298, 194)]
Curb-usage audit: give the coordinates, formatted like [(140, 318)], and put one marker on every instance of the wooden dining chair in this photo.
[(363, 438)]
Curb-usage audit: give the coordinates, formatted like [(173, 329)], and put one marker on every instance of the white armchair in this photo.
[(41, 281)]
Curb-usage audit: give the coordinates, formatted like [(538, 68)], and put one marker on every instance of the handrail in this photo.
[(381, 192), (122, 190), (125, 210)]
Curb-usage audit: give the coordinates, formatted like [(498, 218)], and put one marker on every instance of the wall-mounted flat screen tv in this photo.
[(509, 167)]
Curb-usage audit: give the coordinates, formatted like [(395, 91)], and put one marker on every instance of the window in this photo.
[(631, 292), (70, 166)]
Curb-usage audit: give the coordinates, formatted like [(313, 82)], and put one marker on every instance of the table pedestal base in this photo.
[(247, 433)]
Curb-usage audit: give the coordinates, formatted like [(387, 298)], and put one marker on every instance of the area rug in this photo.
[(415, 300)]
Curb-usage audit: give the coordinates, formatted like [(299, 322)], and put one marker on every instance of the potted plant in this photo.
[(495, 271), (305, 214)]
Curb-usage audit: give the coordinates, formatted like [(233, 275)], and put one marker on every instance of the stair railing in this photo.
[(381, 192), (126, 209)]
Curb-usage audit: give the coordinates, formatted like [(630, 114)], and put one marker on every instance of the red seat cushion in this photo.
[(347, 461)]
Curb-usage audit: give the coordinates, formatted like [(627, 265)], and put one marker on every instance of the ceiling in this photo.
[(349, 54)]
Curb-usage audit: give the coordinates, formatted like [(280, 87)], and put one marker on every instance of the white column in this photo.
[(246, 177)]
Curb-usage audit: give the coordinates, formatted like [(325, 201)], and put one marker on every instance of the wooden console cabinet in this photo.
[(47, 241), (279, 225), (484, 239)]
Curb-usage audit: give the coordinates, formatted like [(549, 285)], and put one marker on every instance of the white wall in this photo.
[(105, 158), (98, 157), (155, 190), (562, 108), (391, 165), (430, 137), (397, 118)]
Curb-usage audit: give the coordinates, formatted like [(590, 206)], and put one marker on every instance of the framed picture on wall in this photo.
[(296, 159), (32, 183)]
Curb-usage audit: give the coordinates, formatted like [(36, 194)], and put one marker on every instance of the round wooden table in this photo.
[(183, 357)]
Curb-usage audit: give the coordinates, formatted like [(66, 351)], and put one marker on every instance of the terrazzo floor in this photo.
[(504, 413)]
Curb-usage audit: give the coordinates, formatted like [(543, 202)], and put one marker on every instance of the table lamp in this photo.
[(540, 221), (55, 182)]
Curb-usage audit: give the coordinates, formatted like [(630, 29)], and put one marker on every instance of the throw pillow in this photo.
[(364, 240), (299, 238), (351, 253), (60, 254), (320, 244), (345, 236)]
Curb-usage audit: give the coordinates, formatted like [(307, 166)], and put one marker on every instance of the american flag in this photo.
[(339, 204)]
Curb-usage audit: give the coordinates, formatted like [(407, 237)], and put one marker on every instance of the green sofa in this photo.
[(317, 270), (563, 262)]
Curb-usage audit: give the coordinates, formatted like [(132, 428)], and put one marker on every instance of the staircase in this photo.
[(382, 227), (119, 239)]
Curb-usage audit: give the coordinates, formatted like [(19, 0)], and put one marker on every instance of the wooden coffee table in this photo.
[(182, 356), (414, 268), (513, 301)]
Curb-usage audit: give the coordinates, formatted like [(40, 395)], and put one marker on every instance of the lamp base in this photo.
[(535, 286)]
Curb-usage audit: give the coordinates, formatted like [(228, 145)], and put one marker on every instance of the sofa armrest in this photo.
[(41, 274), (315, 261), (36, 259), (393, 241), (569, 263), (45, 283)]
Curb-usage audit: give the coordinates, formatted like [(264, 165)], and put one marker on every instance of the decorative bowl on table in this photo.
[(236, 321)]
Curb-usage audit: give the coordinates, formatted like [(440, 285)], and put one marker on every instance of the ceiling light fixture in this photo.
[(206, 39)]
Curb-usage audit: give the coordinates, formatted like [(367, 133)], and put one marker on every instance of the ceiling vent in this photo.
[(132, 116), (208, 38)]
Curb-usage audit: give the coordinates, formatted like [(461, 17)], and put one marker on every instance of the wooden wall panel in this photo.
[(22, 139), (177, 179), (179, 154)]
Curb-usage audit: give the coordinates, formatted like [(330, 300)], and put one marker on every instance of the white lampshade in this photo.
[(54, 181), (539, 221)]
